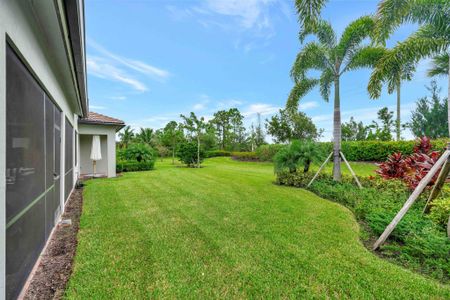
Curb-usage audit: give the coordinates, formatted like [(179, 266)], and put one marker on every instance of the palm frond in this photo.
[(312, 56), (392, 13), (298, 91), (365, 57), (323, 30), (325, 81), (309, 11), (440, 65), (356, 32)]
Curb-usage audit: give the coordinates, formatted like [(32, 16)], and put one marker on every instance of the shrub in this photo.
[(217, 153), (413, 168), (267, 152), (418, 242), (133, 166), (187, 153), (139, 152), (378, 150), (440, 211), (244, 156), (297, 153)]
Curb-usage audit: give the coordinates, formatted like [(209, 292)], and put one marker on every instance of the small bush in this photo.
[(297, 153), (133, 166), (244, 156), (187, 153), (440, 211), (217, 153), (267, 152), (139, 152)]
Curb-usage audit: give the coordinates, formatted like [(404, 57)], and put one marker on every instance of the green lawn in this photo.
[(225, 231)]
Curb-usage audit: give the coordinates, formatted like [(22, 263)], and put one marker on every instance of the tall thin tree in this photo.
[(332, 58), (430, 40)]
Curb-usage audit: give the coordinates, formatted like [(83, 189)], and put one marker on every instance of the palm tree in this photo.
[(332, 58), (145, 136), (432, 39), (126, 136), (394, 79)]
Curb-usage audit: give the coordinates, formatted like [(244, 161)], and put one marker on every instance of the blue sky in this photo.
[(149, 61)]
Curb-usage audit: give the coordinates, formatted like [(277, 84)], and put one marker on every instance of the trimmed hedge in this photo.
[(419, 242), (244, 156), (267, 152), (217, 153), (378, 150), (133, 166)]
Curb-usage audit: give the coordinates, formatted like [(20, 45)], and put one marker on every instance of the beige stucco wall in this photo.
[(108, 142), (86, 166), (32, 29)]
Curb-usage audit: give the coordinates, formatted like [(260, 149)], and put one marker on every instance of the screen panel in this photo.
[(68, 181), (25, 172), (33, 159)]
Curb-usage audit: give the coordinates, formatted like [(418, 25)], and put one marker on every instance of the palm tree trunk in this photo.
[(448, 96), (337, 133), (398, 113)]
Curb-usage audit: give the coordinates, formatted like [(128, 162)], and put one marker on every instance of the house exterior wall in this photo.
[(85, 153), (32, 29), (108, 132)]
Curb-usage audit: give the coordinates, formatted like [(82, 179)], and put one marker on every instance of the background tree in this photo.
[(172, 135), (222, 122), (126, 136), (353, 131), (145, 136), (382, 131), (260, 138), (430, 40), (289, 125), (238, 134), (195, 127), (429, 118), (332, 58)]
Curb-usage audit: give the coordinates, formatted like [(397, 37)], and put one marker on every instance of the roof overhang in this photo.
[(74, 10)]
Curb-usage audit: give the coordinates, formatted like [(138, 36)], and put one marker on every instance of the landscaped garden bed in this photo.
[(419, 242)]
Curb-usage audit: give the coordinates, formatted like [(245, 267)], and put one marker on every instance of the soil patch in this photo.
[(54, 270)]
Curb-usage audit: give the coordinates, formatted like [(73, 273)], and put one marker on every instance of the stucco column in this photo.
[(112, 153)]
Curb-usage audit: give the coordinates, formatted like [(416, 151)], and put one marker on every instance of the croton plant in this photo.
[(412, 168)]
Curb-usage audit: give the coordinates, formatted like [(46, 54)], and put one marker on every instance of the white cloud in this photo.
[(118, 97), (133, 64), (98, 67), (98, 107), (249, 13), (262, 108), (308, 105), (248, 21)]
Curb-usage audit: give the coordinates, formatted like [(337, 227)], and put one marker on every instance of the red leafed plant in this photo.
[(421, 164), (423, 145), (411, 169), (394, 167)]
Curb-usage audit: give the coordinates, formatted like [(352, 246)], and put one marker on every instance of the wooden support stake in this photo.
[(351, 170), (438, 186), (419, 189), (320, 169)]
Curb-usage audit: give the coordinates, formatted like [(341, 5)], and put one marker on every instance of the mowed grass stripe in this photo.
[(225, 231)]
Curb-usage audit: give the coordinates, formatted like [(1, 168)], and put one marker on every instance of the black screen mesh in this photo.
[(68, 160), (32, 186)]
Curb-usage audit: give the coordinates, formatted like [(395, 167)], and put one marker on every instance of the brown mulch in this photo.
[(54, 270)]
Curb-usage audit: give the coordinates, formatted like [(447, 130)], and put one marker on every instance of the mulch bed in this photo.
[(54, 270)]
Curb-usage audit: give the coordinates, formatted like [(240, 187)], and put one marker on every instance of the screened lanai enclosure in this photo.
[(33, 169)]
